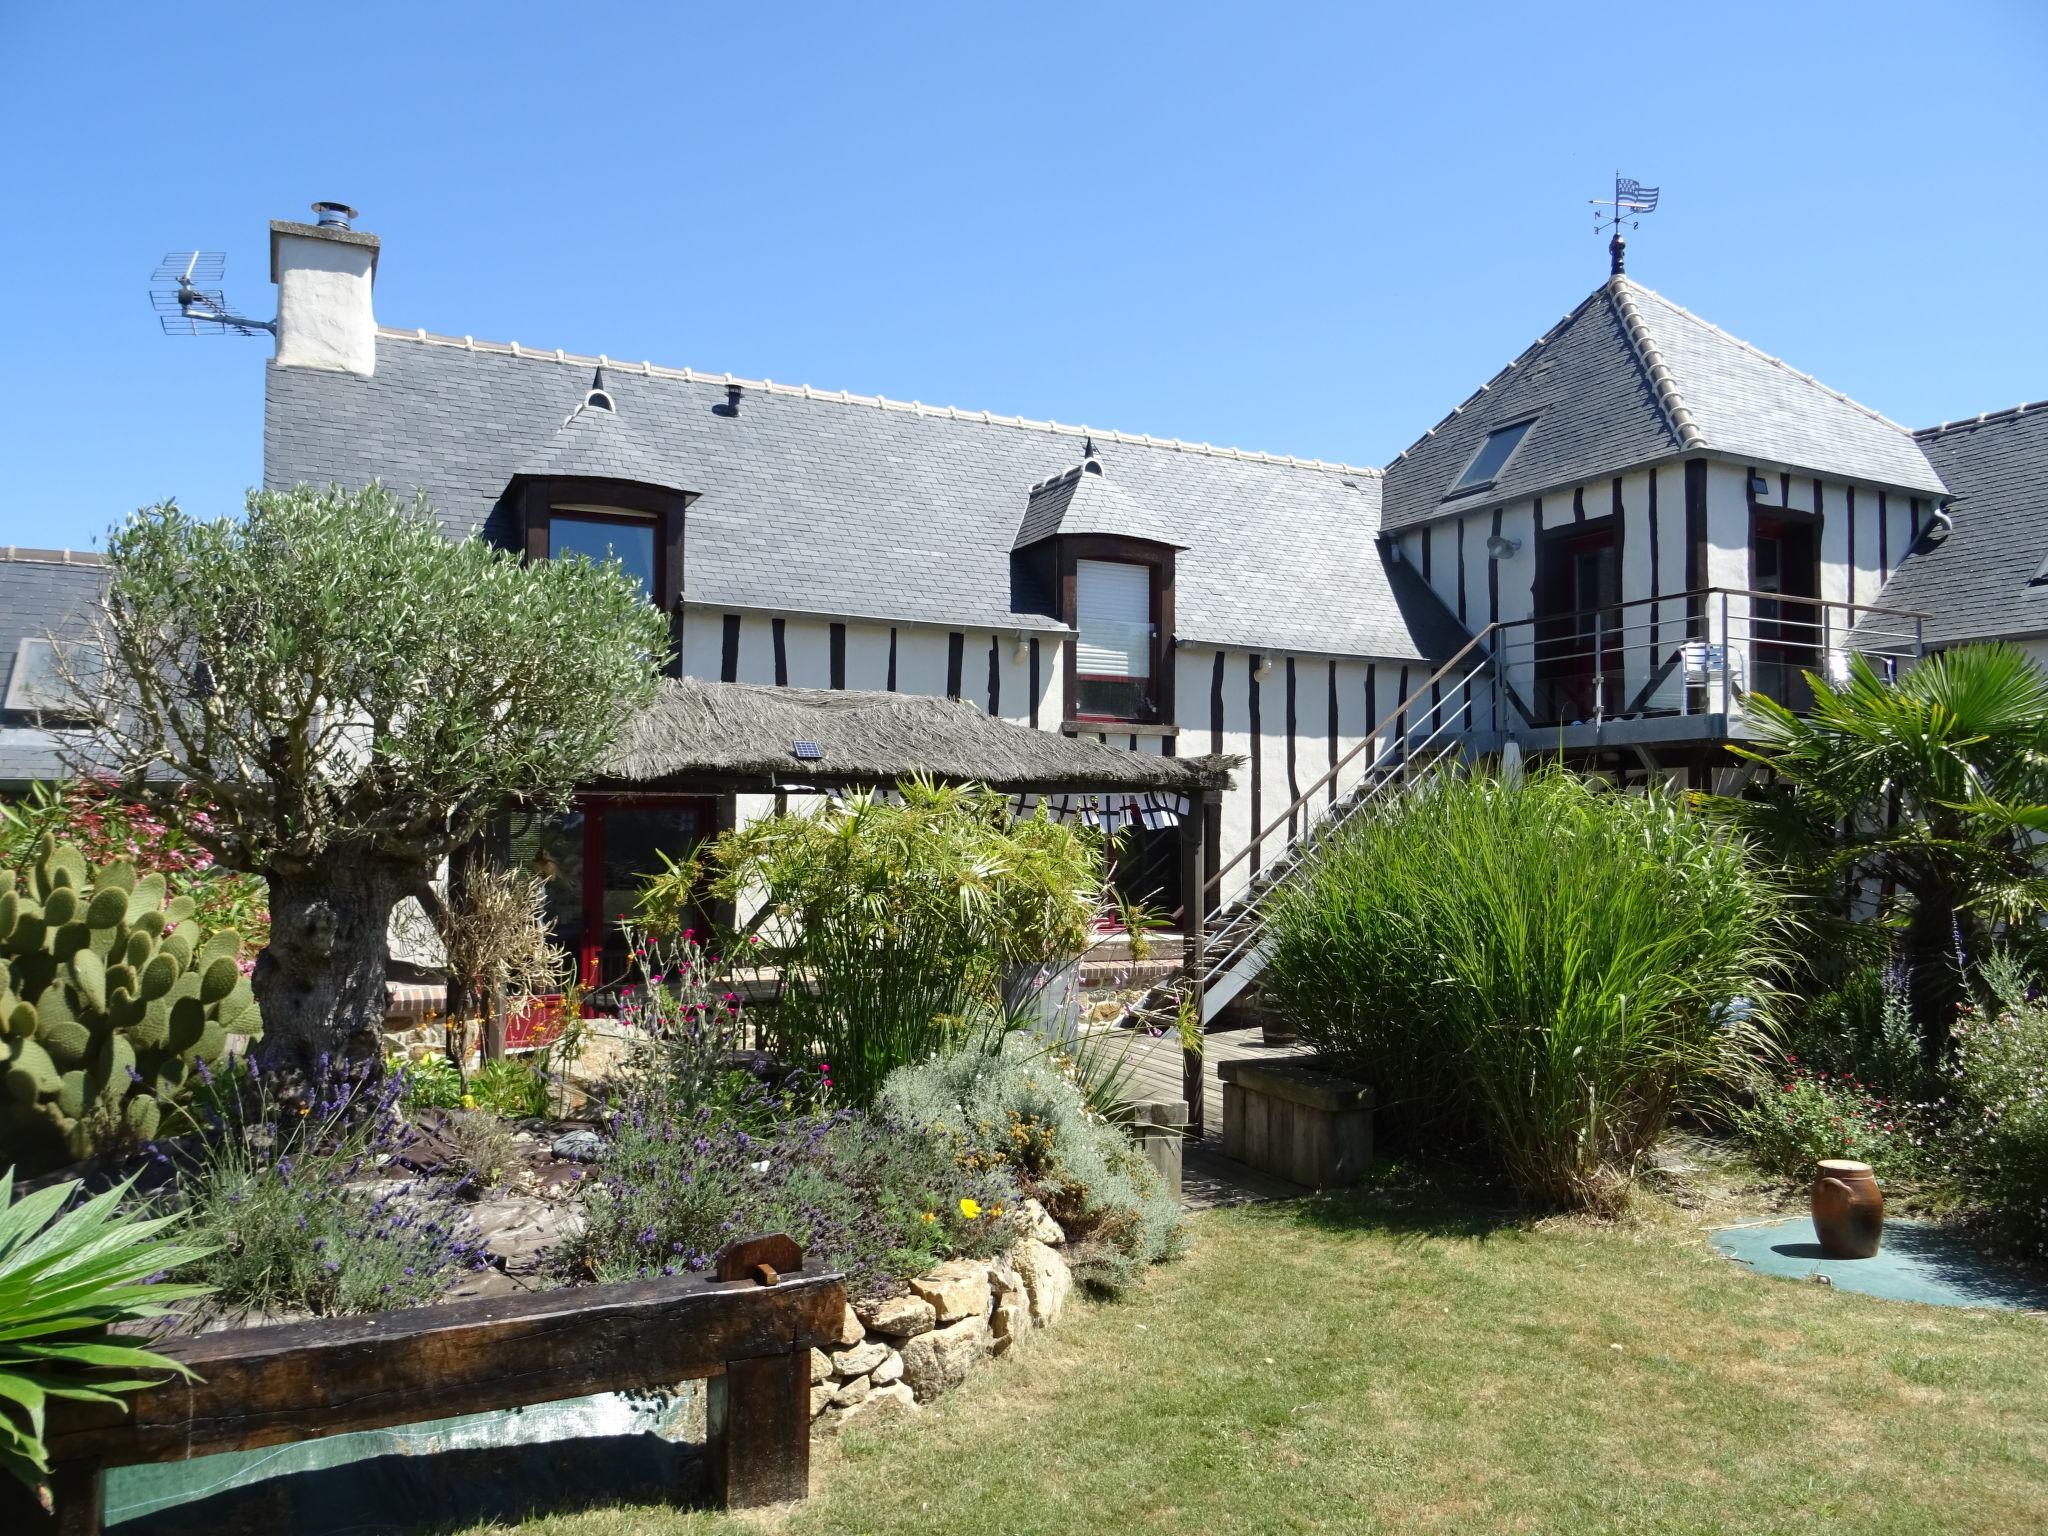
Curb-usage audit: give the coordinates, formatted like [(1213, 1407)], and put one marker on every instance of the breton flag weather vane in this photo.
[(1624, 210)]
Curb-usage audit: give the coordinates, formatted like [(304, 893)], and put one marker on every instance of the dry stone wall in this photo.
[(896, 1353)]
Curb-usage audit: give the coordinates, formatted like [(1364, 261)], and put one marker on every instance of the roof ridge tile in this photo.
[(424, 337), (1669, 400), (1982, 418)]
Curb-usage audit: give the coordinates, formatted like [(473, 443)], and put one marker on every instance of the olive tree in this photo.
[(356, 695)]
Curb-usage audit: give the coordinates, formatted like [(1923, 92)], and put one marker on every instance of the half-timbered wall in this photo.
[(1671, 541), (1291, 725)]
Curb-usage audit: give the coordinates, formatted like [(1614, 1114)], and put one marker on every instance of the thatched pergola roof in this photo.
[(701, 735)]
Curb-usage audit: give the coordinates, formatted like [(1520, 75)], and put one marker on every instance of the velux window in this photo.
[(1492, 457), (600, 536), (1113, 656)]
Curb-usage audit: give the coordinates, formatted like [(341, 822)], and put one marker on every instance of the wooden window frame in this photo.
[(621, 501), (1073, 549)]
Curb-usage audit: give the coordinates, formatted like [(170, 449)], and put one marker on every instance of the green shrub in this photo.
[(516, 1087), (431, 1081), (859, 1194), (894, 921), (1997, 1139), (1539, 970), (65, 1277), (1861, 1026), (1016, 1108), (1814, 1115), (111, 999)]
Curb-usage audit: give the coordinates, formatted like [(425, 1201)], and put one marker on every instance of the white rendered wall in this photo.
[(324, 315)]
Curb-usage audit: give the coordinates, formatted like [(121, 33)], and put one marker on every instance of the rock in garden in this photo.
[(1011, 1319), (578, 1147), (850, 1330), (901, 1317), (520, 1230), (821, 1397), (1046, 1277), (889, 1370), (860, 1359), (821, 1366), (851, 1392), (880, 1404), (936, 1361), (956, 1289), (1039, 1225)]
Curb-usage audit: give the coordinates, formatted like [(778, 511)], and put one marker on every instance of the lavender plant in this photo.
[(861, 1195), (289, 1192)]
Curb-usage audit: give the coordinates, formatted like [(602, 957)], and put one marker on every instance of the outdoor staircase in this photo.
[(1422, 733)]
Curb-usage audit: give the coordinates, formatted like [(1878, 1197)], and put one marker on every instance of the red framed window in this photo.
[(594, 856)]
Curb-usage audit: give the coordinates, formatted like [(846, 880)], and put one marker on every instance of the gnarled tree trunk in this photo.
[(320, 980)]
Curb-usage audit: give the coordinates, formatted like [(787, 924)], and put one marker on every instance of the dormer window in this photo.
[(1492, 457), (601, 534), (35, 683), (1117, 616)]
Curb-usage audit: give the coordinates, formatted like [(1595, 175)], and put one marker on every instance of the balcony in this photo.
[(1678, 668)]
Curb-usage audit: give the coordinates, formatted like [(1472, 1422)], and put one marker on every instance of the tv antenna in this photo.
[(1624, 210), (192, 308)]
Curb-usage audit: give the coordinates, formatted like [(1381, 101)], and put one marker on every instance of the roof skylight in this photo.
[(1492, 457)]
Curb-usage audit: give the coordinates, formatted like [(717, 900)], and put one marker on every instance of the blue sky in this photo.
[(1302, 229)]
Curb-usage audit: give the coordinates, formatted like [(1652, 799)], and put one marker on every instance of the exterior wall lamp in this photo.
[(1500, 547)]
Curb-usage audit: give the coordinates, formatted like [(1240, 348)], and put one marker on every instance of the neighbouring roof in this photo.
[(1086, 500), (857, 507), (45, 594), (1979, 582), (719, 733), (1629, 378)]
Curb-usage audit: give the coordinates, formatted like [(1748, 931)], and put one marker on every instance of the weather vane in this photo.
[(1624, 210)]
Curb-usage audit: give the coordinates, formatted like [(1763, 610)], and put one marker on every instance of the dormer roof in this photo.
[(1629, 378), (1088, 499), (596, 441)]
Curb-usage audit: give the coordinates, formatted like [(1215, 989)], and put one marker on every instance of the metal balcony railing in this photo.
[(1689, 653)]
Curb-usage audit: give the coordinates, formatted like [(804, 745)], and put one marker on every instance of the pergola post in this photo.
[(1194, 908)]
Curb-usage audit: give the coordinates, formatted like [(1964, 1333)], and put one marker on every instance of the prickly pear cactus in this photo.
[(109, 1002)]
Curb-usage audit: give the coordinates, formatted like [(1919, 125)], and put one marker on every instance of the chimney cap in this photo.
[(334, 215)]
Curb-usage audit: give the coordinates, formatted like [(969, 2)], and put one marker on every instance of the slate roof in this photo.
[(857, 507), (597, 441), (44, 594), (1085, 500), (1978, 583), (1628, 379)]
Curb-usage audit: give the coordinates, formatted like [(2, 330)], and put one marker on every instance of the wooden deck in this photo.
[(1209, 1179)]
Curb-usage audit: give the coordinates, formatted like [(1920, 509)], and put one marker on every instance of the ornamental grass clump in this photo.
[(1540, 971), (1013, 1108)]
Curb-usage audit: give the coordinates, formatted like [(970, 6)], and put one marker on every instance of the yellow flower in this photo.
[(930, 1216), (469, 1101), (969, 1208), (995, 1210)]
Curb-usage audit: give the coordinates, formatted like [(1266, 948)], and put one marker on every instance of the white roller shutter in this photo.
[(1115, 603)]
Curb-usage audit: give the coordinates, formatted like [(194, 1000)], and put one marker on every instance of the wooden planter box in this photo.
[(1298, 1120)]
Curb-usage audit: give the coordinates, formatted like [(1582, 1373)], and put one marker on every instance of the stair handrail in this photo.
[(1214, 883)]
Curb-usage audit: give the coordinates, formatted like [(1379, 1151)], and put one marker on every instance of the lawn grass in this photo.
[(1387, 1364)]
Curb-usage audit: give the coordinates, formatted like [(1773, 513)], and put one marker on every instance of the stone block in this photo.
[(956, 1289), (1046, 1278), (941, 1359), (900, 1317), (860, 1359)]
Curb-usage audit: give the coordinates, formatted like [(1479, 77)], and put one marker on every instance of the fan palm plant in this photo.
[(1933, 790), (65, 1275)]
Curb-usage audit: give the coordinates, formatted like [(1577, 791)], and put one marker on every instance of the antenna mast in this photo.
[(187, 309)]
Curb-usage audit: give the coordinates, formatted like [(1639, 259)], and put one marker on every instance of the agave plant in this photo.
[(65, 1275)]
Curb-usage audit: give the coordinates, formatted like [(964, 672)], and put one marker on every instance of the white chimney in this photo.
[(324, 273)]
